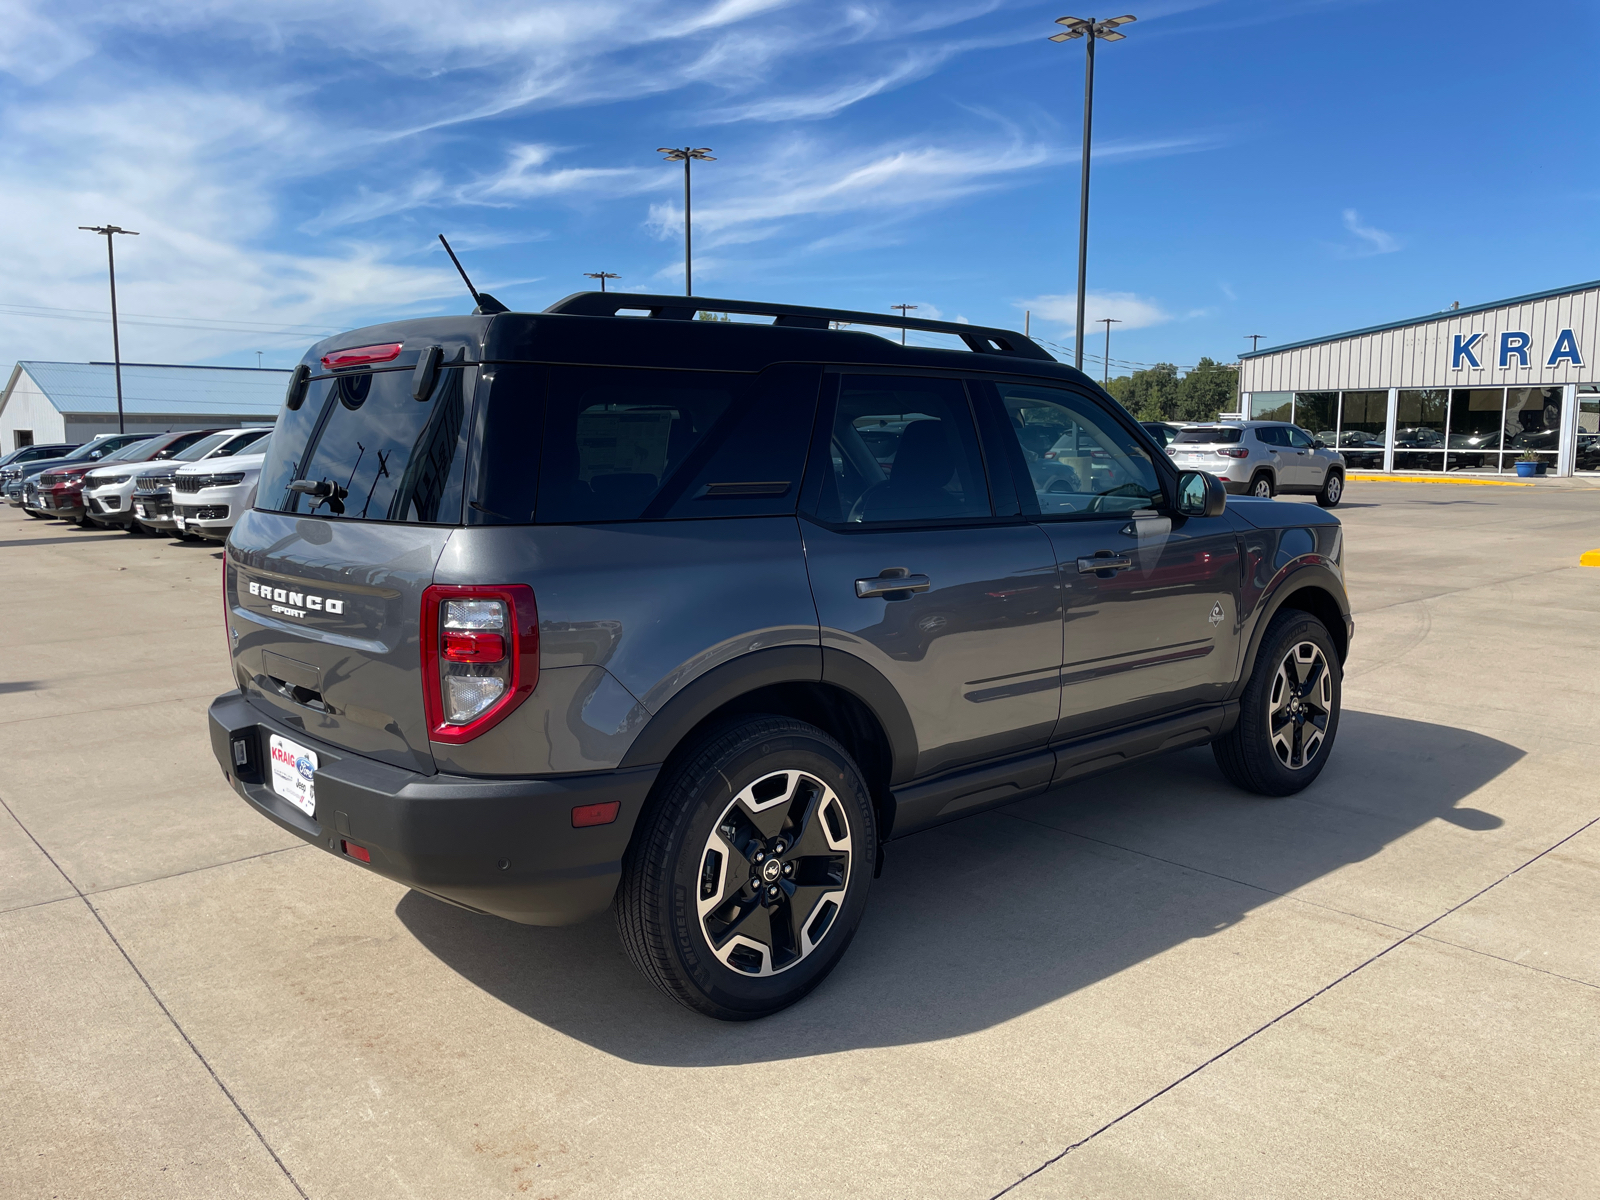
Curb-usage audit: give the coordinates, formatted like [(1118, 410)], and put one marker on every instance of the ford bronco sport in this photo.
[(545, 613)]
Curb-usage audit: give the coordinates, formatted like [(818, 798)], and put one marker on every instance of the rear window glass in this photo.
[(617, 444), (1210, 435), (363, 449)]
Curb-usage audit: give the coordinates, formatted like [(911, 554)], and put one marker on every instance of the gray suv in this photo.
[(541, 614), (1262, 458)]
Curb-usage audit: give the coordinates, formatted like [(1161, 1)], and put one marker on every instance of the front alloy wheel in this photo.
[(1302, 706), (1288, 711)]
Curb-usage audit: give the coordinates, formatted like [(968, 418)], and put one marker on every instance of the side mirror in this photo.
[(426, 374), (299, 380), (1201, 495)]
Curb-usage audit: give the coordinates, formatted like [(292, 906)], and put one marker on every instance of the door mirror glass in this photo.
[(1201, 495)]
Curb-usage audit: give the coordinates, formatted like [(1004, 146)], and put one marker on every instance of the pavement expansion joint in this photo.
[(1292, 1009), (161, 1004), (1439, 941)]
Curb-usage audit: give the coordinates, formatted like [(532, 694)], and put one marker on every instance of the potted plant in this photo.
[(1529, 465)]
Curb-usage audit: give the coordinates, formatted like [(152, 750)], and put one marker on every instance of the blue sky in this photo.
[(1283, 167)]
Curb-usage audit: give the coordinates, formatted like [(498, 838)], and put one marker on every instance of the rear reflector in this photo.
[(357, 355), (595, 814), (473, 646), (355, 851)]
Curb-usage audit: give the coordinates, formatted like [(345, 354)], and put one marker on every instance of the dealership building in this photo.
[(71, 402), (1467, 389)]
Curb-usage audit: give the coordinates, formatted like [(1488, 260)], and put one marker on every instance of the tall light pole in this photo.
[(110, 232), (904, 309), (602, 276), (1255, 340), (1091, 31), (686, 155), (1108, 322)]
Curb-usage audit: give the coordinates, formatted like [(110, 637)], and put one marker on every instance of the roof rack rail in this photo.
[(978, 338)]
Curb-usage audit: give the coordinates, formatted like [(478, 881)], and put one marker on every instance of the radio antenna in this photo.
[(486, 303)]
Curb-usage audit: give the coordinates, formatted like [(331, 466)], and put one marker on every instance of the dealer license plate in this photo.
[(138, 510), (292, 769)]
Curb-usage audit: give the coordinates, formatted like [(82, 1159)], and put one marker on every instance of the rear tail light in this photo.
[(1234, 452), (480, 657)]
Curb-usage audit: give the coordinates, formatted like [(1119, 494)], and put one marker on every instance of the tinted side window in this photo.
[(371, 450), (1271, 435), (1079, 458), (901, 449), (1300, 439), (616, 444)]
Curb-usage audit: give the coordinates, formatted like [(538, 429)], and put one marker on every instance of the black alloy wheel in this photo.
[(1289, 712), (736, 903), (1261, 486)]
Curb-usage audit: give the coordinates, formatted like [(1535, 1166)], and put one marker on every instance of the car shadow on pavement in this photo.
[(977, 922)]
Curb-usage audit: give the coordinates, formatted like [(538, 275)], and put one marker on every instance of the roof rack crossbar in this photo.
[(979, 338)]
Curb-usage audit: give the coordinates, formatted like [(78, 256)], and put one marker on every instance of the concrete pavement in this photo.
[(1148, 985)]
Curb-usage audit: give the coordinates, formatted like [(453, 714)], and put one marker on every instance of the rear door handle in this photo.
[(882, 585), (1104, 562)]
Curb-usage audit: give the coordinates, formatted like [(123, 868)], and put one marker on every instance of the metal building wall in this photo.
[(1417, 356)]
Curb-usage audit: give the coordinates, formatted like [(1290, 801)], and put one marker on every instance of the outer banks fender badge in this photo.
[(289, 603), (1216, 614)]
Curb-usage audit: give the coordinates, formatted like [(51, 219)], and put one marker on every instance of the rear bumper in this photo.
[(448, 835)]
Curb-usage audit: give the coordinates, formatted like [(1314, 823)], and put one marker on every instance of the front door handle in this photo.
[(886, 583), (1104, 561)]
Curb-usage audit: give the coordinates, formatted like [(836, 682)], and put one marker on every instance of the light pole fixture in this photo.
[(602, 276), (904, 309), (686, 155), (110, 231), (1255, 340), (1091, 31), (1108, 322)]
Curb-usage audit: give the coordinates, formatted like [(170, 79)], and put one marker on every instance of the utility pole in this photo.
[(258, 360), (1108, 322), (686, 155), (904, 309), (1255, 340), (602, 276), (1091, 31), (110, 231)]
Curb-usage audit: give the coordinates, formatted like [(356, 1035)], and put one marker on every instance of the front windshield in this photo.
[(87, 450), (239, 443), (203, 447), (132, 452)]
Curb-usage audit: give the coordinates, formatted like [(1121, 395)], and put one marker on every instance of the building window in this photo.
[(1271, 406), (1317, 413), (1533, 423), (21, 438), (1419, 427), (1587, 451), (1363, 425), (1476, 429)]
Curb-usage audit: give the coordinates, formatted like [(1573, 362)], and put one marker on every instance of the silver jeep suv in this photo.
[(1262, 458)]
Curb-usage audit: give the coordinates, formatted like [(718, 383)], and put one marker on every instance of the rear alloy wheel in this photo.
[(1332, 490), (736, 903), (1261, 486), (1289, 712)]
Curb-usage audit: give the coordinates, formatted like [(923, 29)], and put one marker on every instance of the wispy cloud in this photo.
[(1128, 310), (1371, 240)]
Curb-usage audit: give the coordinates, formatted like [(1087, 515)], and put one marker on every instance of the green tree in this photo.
[(1209, 389)]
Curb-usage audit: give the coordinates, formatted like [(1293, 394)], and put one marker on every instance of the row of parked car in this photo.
[(188, 483)]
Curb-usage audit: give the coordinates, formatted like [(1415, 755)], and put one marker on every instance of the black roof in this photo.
[(588, 327)]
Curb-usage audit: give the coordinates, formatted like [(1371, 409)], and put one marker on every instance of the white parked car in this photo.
[(208, 497), (150, 495)]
